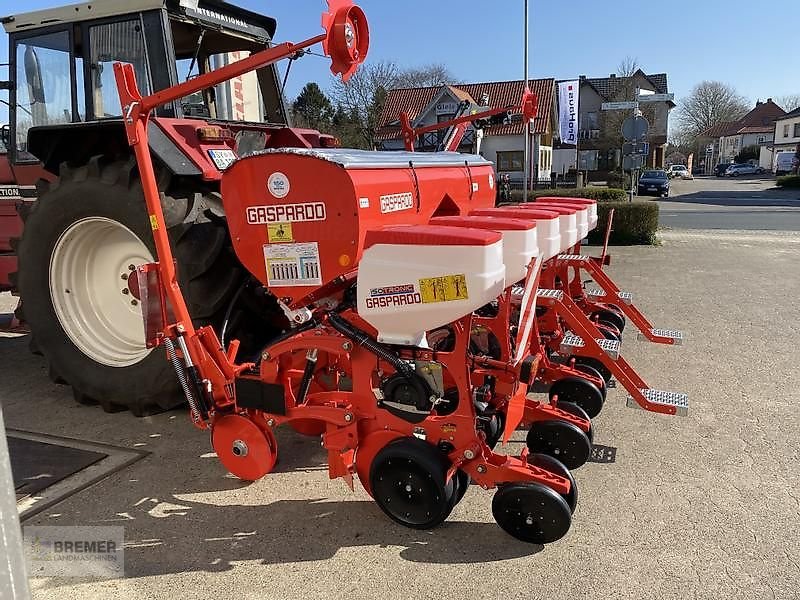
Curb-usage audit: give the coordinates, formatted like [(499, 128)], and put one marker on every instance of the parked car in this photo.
[(698, 170), (654, 183), (679, 171), (743, 169), (719, 170)]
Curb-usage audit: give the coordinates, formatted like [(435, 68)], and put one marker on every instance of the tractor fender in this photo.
[(76, 143)]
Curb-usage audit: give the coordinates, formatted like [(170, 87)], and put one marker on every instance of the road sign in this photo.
[(634, 161), (656, 98), (618, 105), (710, 149), (635, 129), (635, 148)]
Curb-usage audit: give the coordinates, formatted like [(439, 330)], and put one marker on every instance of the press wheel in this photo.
[(576, 410), (596, 364), (594, 373), (562, 440), (545, 461), (531, 512), (579, 391), (611, 316), (408, 482)]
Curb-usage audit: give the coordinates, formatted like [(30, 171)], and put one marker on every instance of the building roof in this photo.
[(608, 87), (791, 114), (721, 129), (501, 94), (759, 120)]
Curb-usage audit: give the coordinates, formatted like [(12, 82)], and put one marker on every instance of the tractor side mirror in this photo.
[(5, 138)]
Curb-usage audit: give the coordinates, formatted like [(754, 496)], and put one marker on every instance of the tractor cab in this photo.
[(61, 65)]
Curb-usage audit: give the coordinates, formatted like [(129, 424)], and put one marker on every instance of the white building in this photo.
[(787, 135), (503, 144)]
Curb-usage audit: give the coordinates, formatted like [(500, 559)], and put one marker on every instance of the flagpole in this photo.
[(526, 155)]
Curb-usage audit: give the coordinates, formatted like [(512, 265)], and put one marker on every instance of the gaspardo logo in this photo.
[(395, 202), (286, 213)]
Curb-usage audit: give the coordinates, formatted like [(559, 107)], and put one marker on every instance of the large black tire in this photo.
[(112, 191)]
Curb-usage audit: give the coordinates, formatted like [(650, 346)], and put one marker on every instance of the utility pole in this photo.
[(527, 152)]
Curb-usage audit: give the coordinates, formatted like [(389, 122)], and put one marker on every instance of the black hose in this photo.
[(363, 339), (228, 312)]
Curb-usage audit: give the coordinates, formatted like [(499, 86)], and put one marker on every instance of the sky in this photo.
[(738, 42)]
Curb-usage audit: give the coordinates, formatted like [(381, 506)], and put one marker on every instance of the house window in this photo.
[(762, 139), (511, 161), (797, 130), (786, 130)]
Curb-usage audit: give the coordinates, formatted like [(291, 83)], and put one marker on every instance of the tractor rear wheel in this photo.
[(82, 239)]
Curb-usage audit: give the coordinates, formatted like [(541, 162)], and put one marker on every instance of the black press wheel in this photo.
[(596, 364), (545, 461), (580, 391), (560, 439), (407, 478), (494, 430), (461, 485), (611, 316), (531, 512), (608, 331), (594, 373), (576, 410)]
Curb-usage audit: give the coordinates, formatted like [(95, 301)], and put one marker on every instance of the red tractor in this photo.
[(70, 175)]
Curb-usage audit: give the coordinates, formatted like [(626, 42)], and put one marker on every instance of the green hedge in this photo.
[(634, 223), (789, 181), (601, 194)]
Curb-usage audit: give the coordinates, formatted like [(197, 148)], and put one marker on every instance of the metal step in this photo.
[(677, 399), (625, 297), (575, 257), (677, 336), (550, 294), (571, 342)]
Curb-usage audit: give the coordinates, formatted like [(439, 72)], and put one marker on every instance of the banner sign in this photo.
[(568, 92)]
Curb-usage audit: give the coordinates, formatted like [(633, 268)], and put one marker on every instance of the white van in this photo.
[(784, 162)]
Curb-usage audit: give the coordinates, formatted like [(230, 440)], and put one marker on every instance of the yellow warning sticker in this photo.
[(443, 289), (279, 232), (153, 222)]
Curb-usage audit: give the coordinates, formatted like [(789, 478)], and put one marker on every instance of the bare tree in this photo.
[(628, 66), (432, 75), (708, 104), (789, 102), (364, 95)]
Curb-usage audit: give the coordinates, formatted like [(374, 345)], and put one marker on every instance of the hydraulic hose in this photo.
[(363, 339)]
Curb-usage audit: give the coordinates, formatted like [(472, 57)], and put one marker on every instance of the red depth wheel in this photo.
[(348, 37), (244, 448)]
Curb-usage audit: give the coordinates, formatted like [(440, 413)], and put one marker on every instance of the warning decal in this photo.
[(443, 289), (293, 265), (279, 233)]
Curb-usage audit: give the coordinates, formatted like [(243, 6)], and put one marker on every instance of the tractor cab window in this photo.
[(123, 42), (199, 50), (44, 90)]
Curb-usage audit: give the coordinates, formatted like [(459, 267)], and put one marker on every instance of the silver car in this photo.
[(736, 170)]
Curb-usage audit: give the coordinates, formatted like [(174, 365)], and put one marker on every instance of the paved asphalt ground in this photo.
[(705, 506), (731, 203)]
